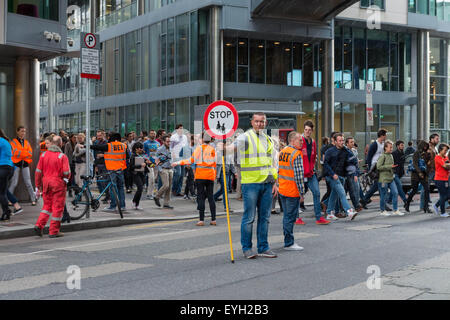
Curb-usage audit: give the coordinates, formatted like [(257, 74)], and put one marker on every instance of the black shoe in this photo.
[(363, 204), (65, 218), (368, 201), (39, 232), (406, 206), (6, 216), (427, 210), (157, 201), (274, 212), (167, 206), (218, 199), (388, 208)]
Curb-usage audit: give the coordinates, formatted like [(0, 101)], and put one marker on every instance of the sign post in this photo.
[(90, 69), (221, 121), (369, 105)]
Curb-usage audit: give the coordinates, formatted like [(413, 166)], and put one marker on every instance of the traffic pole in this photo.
[(226, 202), (88, 138)]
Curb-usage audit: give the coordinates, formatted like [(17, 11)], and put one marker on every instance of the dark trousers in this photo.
[(327, 194), (205, 189), (128, 179), (189, 182), (415, 188), (139, 181), (444, 193), (6, 173)]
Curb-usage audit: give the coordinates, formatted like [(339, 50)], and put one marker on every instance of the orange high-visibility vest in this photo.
[(20, 152), (116, 157), (287, 185), (43, 147), (204, 157)]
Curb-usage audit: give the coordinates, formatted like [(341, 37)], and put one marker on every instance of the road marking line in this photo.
[(20, 259), (43, 280), (367, 227), (224, 248)]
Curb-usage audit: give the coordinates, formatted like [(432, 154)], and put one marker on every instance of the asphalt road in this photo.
[(177, 260)]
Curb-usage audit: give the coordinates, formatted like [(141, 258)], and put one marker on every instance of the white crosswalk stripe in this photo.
[(12, 259), (90, 246), (224, 248), (43, 280)]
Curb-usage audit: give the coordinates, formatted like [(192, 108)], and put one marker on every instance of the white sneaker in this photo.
[(352, 214), (444, 215), (385, 213), (294, 247), (331, 216), (138, 208), (398, 213)]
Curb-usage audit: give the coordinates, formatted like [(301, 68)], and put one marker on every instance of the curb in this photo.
[(89, 225)]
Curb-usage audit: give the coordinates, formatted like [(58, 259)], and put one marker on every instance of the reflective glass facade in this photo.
[(437, 8), (272, 62), (48, 9), (379, 57)]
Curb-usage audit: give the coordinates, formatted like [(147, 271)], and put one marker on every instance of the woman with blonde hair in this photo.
[(79, 158), (385, 166)]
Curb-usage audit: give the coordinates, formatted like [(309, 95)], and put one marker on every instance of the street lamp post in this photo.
[(61, 71)]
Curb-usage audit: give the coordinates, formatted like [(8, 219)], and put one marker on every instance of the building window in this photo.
[(369, 3), (38, 9)]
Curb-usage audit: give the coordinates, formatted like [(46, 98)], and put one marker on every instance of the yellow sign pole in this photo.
[(226, 205)]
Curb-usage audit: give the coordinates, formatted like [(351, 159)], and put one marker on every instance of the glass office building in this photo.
[(160, 60)]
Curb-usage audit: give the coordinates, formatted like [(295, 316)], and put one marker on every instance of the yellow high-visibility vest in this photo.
[(256, 161)]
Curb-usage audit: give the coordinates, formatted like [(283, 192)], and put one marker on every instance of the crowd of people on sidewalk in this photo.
[(261, 169)]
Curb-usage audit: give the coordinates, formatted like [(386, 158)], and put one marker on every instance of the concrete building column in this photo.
[(327, 114), (216, 51), (423, 85), (26, 111)]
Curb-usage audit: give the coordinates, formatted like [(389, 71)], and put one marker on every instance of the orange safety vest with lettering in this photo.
[(286, 180), (116, 156), (21, 153), (43, 147), (204, 157)]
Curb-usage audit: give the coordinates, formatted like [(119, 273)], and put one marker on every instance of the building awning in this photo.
[(316, 11)]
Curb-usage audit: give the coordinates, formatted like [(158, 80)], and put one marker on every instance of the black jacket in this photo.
[(421, 153), (399, 159)]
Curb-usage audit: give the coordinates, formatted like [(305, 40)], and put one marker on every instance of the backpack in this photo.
[(422, 166)]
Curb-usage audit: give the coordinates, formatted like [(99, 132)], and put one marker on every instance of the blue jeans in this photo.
[(400, 191), (119, 179), (354, 191), (178, 174), (337, 192), (313, 185), (371, 192), (444, 194), (383, 187), (220, 192), (257, 199), (290, 207)]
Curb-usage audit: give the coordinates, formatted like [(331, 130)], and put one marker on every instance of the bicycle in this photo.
[(78, 207)]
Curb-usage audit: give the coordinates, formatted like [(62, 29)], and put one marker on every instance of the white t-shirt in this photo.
[(177, 143), (377, 154)]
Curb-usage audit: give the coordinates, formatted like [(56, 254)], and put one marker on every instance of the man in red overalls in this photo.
[(52, 174)]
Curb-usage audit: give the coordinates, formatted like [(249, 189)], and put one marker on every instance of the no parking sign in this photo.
[(221, 119)]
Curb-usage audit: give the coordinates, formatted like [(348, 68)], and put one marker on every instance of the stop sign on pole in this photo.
[(221, 119)]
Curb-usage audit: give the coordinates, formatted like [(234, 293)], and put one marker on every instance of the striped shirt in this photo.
[(298, 173)]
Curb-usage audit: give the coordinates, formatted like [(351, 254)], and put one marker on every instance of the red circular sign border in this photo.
[(233, 110), (87, 34)]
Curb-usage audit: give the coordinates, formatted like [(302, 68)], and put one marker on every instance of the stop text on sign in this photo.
[(221, 119)]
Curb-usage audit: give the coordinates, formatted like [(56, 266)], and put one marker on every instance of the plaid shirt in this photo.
[(298, 174)]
